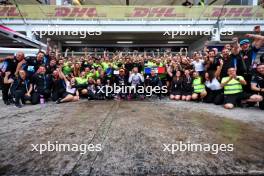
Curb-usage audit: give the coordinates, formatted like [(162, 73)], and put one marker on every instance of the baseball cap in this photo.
[(244, 41)]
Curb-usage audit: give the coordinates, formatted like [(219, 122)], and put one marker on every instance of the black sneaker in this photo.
[(18, 105), (58, 101), (7, 102)]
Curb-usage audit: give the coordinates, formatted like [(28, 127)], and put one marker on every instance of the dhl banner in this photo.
[(131, 12)]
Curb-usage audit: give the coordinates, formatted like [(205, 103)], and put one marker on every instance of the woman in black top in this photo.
[(176, 86), (58, 86), (187, 86)]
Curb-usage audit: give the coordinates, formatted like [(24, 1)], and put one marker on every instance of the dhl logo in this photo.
[(75, 12), (129, 12), (9, 11), (172, 12)]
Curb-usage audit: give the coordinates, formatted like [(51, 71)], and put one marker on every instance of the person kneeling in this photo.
[(199, 91), (20, 89), (176, 86), (233, 91)]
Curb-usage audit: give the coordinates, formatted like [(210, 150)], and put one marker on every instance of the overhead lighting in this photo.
[(175, 41), (124, 42), (73, 42)]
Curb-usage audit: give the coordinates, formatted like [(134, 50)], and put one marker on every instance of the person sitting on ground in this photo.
[(121, 81), (199, 91), (187, 87), (100, 91), (153, 80), (42, 84), (58, 86), (81, 84), (233, 91), (176, 86), (21, 88), (213, 88), (72, 93), (91, 89), (257, 83)]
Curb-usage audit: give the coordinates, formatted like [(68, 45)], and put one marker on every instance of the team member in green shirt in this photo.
[(81, 83), (199, 90)]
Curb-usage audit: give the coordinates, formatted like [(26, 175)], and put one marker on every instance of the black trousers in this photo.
[(20, 95), (35, 99), (261, 104), (5, 92), (56, 94), (247, 88), (214, 96), (91, 95)]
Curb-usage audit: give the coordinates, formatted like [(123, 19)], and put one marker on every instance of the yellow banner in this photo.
[(131, 12)]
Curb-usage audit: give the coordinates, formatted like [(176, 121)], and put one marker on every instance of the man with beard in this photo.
[(257, 83), (212, 63), (228, 62), (51, 67), (32, 64)]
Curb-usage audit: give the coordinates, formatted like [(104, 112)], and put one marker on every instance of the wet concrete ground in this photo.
[(132, 135)]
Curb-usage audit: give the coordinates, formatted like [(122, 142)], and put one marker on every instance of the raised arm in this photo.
[(48, 46), (258, 40), (6, 79), (236, 46)]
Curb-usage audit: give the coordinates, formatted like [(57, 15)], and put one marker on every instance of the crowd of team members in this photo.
[(231, 77)]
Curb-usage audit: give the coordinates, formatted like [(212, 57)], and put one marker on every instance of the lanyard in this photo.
[(45, 82), (25, 82), (243, 62)]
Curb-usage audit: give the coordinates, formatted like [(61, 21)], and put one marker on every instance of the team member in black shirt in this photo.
[(187, 86), (121, 81), (176, 86), (257, 83), (212, 62), (32, 64), (11, 64), (51, 67), (246, 56), (228, 62), (58, 86), (20, 89), (153, 80), (42, 84)]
